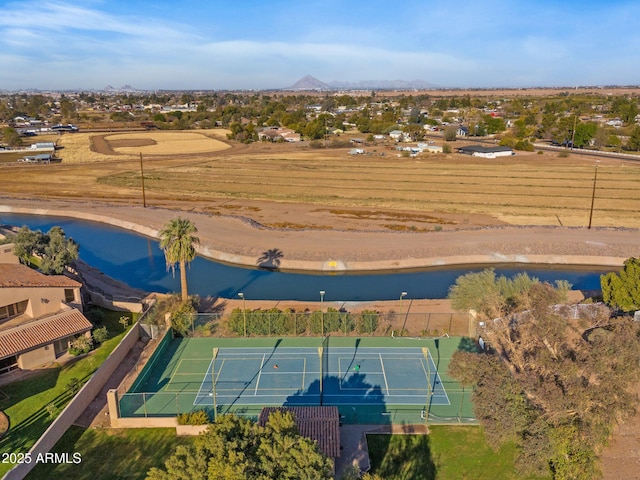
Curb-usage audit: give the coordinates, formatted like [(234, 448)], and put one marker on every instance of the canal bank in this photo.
[(237, 240)]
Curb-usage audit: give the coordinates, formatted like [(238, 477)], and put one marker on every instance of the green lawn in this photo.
[(33, 403), (111, 454), (447, 453)]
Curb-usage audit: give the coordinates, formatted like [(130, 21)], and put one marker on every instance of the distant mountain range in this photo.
[(311, 83), (124, 88)]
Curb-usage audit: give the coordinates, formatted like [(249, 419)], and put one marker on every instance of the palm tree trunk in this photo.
[(183, 280)]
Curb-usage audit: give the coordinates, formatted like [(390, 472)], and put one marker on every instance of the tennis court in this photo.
[(366, 378)]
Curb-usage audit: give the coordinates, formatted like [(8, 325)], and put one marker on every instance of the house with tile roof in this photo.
[(40, 315)]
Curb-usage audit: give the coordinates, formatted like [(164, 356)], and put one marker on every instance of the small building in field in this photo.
[(39, 158), (40, 315), (486, 152)]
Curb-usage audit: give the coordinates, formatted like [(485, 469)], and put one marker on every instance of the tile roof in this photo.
[(18, 275), (321, 424), (42, 332)]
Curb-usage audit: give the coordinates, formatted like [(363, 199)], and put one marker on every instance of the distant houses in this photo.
[(276, 134)]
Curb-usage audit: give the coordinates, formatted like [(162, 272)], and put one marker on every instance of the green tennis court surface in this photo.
[(360, 376)]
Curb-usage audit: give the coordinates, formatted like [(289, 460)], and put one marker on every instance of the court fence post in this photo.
[(144, 404)]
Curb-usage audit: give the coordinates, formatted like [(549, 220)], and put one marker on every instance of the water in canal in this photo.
[(138, 261)]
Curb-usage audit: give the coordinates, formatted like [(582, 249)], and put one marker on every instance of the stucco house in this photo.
[(40, 315)]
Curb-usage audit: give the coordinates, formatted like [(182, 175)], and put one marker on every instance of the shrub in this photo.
[(80, 346), (100, 335), (96, 315), (199, 417), (446, 148), (182, 318), (367, 321)]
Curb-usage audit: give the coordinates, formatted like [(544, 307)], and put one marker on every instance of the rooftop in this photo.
[(42, 332), (321, 424), (17, 275)]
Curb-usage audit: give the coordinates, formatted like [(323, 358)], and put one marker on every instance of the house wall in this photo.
[(78, 405), (42, 300), (6, 254), (36, 358)]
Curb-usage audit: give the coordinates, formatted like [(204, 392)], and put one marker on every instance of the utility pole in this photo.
[(144, 199), (593, 195)]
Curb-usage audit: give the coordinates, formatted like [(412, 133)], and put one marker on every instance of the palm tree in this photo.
[(177, 241)]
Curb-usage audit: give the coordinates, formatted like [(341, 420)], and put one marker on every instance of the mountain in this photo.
[(311, 83), (124, 88)]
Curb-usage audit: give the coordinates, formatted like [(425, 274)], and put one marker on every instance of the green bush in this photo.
[(80, 346), (182, 318), (367, 321), (199, 417), (96, 315), (100, 335)]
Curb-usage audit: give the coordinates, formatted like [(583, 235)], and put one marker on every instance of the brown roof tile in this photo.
[(42, 332), (321, 424), (17, 275)]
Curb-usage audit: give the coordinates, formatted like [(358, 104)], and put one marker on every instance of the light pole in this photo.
[(322, 292), (213, 384), (593, 194), (244, 312)]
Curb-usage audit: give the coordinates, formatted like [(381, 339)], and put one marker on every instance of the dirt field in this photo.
[(295, 187)]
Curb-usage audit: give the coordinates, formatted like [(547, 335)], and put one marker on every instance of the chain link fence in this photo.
[(274, 322)]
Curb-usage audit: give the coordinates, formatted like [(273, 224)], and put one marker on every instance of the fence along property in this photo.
[(336, 322)]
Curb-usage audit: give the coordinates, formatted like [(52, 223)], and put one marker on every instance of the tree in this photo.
[(622, 290), (11, 137), (236, 448), (28, 243), (634, 140), (493, 296), (450, 134), (555, 383), (183, 317), (584, 133), (59, 252), (494, 124), (177, 241)]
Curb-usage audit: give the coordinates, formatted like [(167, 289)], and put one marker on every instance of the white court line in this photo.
[(384, 374), (304, 369), (204, 379), (259, 373)]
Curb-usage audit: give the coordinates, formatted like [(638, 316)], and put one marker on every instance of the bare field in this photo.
[(264, 181), (90, 147)]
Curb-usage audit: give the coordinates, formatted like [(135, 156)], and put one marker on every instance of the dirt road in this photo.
[(241, 240)]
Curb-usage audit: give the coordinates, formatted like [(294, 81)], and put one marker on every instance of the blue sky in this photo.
[(250, 44)]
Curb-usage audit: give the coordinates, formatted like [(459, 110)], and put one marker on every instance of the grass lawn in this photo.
[(111, 454), (448, 453), (32, 404)]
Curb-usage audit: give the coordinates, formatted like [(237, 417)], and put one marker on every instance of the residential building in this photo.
[(486, 152), (40, 315)]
